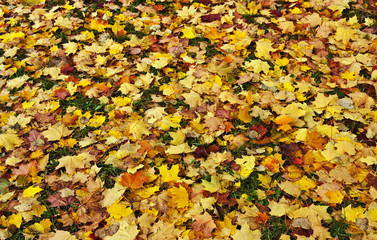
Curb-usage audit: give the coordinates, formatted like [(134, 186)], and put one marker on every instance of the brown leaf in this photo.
[(204, 223)]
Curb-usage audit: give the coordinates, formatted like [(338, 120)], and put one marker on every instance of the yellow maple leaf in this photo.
[(54, 133), (178, 137), (306, 183), (179, 149), (188, 33), (284, 121), (35, 228), (290, 188), (119, 210), (344, 34), (112, 195), (247, 164), (265, 180), (213, 186), (351, 214), (70, 47), (147, 192), (245, 233), (282, 62), (96, 121), (46, 224), (179, 197), (125, 231), (9, 141), (72, 162), (334, 197), (258, 66), (169, 175), (14, 219), (138, 129), (244, 115), (368, 160), (263, 49), (192, 98), (31, 191), (27, 105)]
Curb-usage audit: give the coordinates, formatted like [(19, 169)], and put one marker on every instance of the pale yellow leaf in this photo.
[(9, 141), (112, 195), (54, 133), (245, 233), (126, 231), (181, 148)]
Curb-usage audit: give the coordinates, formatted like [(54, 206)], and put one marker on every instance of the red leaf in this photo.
[(67, 69), (260, 129), (158, 7), (61, 93), (297, 161)]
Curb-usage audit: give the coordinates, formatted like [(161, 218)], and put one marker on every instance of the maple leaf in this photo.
[(164, 230), (63, 235), (138, 129), (181, 148), (247, 164), (244, 115), (258, 66), (245, 233), (284, 121), (31, 191), (212, 186), (112, 195), (169, 175), (133, 181), (179, 198), (55, 132), (69, 119), (119, 210), (9, 141), (263, 49), (210, 17), (204, 223), (70, 163)]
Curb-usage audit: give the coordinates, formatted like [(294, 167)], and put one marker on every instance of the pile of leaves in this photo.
[(189, 119)]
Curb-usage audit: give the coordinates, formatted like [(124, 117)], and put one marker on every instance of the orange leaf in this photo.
[(285, 119), (72, 79), (102, 86), (69, 119), (314, 140), (228, 59), (158, 7), (262, 217), (145, 146), (133, 181), (228, 126)]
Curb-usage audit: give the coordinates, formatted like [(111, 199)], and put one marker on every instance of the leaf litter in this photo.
[(188, 119)]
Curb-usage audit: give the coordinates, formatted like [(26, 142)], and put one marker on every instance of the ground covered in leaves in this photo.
[(203, 119)]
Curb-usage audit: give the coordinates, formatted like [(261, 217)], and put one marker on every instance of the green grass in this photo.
[(107, 173), (248, 186), (80, 133), (338, 229), (82, 102), (274, 228)]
